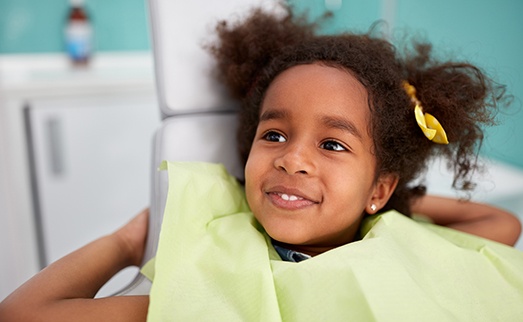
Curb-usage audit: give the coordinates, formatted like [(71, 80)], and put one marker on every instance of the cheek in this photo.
[(254, 165), (252, 173), (355, 189), (249, 171)]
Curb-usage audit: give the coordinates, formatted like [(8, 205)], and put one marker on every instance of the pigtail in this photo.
[(463, 99)]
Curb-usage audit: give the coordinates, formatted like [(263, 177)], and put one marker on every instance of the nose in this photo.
[(295, 159)]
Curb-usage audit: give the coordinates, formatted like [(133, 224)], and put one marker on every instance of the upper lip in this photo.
[(291, 191)]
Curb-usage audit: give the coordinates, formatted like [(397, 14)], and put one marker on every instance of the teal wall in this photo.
[(36, 26), (485, 32)]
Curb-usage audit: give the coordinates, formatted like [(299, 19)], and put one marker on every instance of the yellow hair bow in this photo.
[(430, 126)]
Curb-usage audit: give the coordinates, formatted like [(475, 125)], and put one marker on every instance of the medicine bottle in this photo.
[(78, 34)]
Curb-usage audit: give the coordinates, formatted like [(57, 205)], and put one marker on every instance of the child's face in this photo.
[(310, 174)]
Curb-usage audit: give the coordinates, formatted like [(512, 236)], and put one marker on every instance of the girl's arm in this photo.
[(470, 217), (64, 290)]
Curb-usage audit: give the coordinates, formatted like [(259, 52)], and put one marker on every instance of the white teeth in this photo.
[(289, 198)]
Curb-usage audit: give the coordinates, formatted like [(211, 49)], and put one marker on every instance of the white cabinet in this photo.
[(76, 147)]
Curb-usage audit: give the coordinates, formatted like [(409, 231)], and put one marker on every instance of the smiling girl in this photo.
[(333, 130)]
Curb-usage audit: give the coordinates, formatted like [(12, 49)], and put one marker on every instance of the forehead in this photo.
[(317, 90)]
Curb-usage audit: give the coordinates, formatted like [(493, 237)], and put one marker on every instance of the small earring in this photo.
[(373, 207)]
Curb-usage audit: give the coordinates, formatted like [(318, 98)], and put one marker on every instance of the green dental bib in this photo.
[(215, 263)]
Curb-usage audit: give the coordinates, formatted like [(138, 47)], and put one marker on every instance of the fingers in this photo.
[(133, 235)]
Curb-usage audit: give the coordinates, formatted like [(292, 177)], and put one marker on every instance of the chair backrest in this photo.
[(180, 32), (199, 119)]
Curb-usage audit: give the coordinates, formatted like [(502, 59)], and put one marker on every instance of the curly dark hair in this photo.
[(252, 52)]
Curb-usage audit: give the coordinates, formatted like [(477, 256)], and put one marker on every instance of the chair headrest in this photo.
[(183, 67)]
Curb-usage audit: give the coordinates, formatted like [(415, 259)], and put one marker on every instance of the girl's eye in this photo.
[(274, 137), (332, 146)]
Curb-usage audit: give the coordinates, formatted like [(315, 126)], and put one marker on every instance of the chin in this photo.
[(287, 237), (286, 231)]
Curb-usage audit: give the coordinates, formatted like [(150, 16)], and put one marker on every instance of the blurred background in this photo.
[(78, 110), (30, 26)]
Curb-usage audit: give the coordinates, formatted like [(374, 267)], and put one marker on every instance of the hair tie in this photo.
[(430, 126)]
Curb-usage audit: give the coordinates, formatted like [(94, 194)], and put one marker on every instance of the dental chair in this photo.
[(199, 120)]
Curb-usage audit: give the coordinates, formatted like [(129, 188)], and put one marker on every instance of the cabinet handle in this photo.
[(55, 147)]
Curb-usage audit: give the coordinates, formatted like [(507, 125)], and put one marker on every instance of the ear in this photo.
[(385, 186)]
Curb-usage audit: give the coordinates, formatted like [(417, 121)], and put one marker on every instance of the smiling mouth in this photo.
[(289, 201)]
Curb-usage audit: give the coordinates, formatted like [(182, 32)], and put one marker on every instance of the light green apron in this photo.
[(215, 263)]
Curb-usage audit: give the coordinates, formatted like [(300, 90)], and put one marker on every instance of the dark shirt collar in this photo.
[(289, 255)]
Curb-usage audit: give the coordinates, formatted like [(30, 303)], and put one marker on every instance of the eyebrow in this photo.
[(341, 124), (273, 115)]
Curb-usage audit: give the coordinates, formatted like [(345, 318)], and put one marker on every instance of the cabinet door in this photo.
[(90, 167)]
